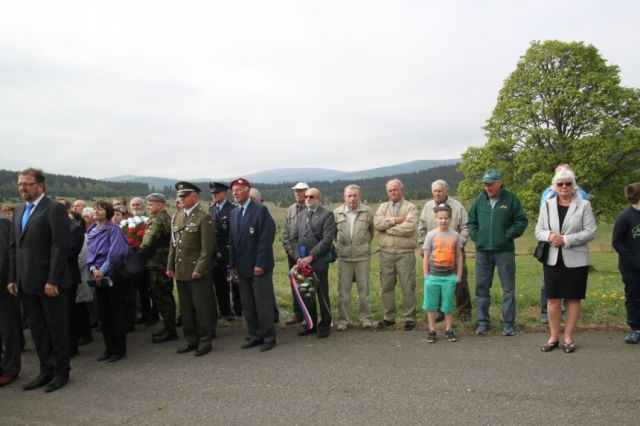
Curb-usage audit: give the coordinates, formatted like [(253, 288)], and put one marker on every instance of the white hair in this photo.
[(87, 211), (396, 181), (441, 182), (564, 175)]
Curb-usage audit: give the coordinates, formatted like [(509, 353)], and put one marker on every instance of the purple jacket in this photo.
[(106, 247)]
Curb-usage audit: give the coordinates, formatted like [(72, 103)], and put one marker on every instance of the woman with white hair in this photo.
[(566, 222)]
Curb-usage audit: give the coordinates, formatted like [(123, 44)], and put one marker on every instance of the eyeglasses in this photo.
[(564, 183), (310, 196), (27, 184)]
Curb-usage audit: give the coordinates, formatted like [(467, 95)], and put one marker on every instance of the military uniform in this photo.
[(192, 249), (221, 218), (155, 251)]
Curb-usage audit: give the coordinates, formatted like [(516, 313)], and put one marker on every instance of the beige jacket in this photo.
[(394, 238), (287, 228), (428, 223), (357, 246)]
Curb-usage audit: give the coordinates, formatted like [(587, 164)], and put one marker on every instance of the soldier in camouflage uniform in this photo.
[(191, 257), (155, 250)]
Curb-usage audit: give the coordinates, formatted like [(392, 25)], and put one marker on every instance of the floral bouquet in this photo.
[(134, 228), (304, 284)]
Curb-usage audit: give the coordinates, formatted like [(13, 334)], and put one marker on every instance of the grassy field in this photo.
[(603, 307)]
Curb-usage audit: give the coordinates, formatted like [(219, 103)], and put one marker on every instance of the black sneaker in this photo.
[(451, 336), (431, 337), (632, 337)]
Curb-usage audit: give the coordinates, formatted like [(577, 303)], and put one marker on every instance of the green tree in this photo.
[(562, 104)]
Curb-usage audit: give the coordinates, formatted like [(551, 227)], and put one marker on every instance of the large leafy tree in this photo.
[(562, 104)]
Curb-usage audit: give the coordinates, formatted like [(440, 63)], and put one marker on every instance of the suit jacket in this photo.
[(222, 229), (77, 241), (578, 228), (42, 248), (316, 235), (5, 236), (251, 240)]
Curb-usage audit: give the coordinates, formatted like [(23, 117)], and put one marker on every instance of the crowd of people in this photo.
[(68, 269)]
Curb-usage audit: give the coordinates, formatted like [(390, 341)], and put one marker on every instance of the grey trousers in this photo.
[(403, 267), (198, 310), (347, 273)]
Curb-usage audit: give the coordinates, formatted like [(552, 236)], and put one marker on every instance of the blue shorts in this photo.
[(439, 289)]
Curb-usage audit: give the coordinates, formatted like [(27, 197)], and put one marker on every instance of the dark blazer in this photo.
[(251, 240), (316, 234), (41, 250), (5, 235), (221, 221), (77, 240)]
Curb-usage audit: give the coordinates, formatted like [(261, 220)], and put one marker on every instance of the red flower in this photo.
[(130, 240), (140, 233), (307, 271), (136, 244)]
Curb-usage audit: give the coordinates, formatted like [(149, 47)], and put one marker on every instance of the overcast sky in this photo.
[(225, 88)]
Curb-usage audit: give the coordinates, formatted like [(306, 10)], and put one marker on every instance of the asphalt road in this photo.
[(353, 377)]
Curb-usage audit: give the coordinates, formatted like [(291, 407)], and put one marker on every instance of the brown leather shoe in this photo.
[(6, 378)]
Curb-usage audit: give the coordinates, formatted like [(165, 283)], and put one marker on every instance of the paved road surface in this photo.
[(354, 377)]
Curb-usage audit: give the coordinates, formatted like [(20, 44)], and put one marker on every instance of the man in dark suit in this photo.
[(251, 259), (312, 236), (40, 248), (221, 212), (10, 358)]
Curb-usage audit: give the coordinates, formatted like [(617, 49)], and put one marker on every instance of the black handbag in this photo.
[(542, 249)]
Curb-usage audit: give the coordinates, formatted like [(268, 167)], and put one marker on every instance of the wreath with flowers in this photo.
[(134, 228)]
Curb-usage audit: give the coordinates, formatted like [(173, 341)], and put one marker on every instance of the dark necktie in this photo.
[(217, 210), (25, 216)]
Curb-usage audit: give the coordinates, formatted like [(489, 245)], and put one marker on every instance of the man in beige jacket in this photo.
[(354, 222), (396, 222)]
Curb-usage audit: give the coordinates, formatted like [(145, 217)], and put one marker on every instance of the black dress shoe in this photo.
[(151, 321), (115, 358), (105, 356), (409, 325), (250, 344), (56, 383), (323, 333), (187, 348), (166, 336), (267, 346), (307, 332), (385, 323), (202, 351), (40, 381), (159, 332)]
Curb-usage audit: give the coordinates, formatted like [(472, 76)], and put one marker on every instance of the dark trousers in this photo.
[(142, 284), (463, 296), (631, 280), (84, 320), (113, 317), (296, 306), (322, 293), (197, 307), (48, 321), (9, 335), (258, 301), (222, 289), (73, 320)]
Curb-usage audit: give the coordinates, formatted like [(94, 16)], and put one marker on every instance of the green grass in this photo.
[(602, 309)]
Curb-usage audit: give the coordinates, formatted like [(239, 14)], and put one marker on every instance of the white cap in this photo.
[(300, 185)]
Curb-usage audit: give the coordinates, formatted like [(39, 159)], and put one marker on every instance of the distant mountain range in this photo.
[(310, 174)]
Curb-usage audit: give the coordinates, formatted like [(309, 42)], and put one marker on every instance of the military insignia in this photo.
[(251, 231), (504, 206)]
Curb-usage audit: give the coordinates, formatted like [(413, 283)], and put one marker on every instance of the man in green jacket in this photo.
[(496, 219)]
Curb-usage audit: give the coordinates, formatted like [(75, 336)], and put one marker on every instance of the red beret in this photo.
[(240, 181)]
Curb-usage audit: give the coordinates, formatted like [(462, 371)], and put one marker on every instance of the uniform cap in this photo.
[(218, 187), (157, 197), (184, 188)]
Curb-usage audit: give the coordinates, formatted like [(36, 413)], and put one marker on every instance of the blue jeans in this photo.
[(505, 262)]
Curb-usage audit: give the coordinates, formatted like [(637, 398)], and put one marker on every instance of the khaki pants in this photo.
[(347, 272), (402, 266)]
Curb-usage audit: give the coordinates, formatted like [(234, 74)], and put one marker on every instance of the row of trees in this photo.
[(72, 187), (417, 186)]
